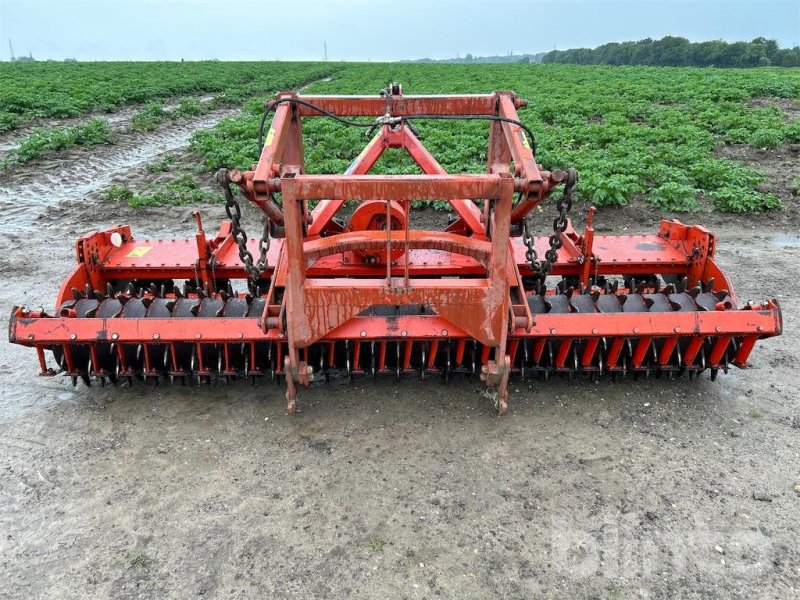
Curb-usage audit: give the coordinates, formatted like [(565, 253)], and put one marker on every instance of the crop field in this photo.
[(633, 132), (629, 131), (618, 488), (29, 91)]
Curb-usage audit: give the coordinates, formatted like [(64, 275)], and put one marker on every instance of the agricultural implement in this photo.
[(330, 289)]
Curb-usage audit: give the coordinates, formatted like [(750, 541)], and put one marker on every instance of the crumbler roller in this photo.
[(367, 293)]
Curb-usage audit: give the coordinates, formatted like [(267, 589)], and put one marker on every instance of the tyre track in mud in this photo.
[(28, 189)]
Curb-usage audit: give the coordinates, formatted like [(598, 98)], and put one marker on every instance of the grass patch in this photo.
[(188, 108), (740, 200), (755, 413), (181, 191), (46, 141), (376, 543), (141, 561), (154, 114), (118, 193), (162, 165), (675, 197), (9, 121), (149, 118)]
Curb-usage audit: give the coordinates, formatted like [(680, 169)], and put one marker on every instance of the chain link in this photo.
[(254, 268), (543, 267)]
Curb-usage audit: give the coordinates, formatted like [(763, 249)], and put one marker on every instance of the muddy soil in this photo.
[(789, 106), (27, 190), (652, 489)]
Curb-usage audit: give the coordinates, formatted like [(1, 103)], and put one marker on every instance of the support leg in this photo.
[(496, 376)]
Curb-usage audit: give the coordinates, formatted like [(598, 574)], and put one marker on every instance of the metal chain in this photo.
[(254, 268), (543, 267)]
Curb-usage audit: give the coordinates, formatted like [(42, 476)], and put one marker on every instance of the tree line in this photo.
[(679, 52)]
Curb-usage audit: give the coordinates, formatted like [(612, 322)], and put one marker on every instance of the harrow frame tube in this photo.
[(402, 106), (31, 329), (619, 255)]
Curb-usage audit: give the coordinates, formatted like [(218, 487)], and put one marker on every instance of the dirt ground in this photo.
[(646, 489)]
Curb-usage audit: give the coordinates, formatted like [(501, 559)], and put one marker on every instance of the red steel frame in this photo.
[(470, 275)]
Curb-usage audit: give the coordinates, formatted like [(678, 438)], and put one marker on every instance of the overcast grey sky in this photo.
[(370, 29)]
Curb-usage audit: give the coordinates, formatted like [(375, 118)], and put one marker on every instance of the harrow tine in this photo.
[(448, 367)]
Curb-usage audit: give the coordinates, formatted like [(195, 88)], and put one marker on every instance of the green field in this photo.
[(647, 132), (34, 90)]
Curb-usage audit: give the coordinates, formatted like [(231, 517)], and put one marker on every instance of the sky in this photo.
[(370, 29)]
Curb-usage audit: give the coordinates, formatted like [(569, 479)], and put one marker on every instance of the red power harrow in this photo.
[(374, 295)]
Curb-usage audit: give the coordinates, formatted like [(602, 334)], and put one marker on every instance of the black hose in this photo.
[(524, 127), (272, 105)]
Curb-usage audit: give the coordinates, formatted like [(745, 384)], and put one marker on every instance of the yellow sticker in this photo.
[(139, 251), (270, 136), (524, 140)]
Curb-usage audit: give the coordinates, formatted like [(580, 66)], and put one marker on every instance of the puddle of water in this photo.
[(787, 240)]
